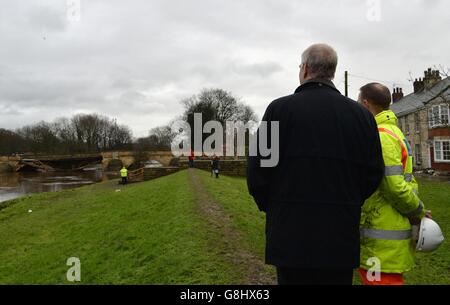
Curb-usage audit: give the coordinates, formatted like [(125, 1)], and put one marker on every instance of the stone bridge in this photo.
[(9, 163), (72, 162), (128, 157)]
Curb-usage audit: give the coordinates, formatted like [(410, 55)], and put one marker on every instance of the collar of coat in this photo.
[(316, 81), (386, 117)]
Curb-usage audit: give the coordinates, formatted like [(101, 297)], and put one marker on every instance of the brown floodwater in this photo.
[(14, 185)]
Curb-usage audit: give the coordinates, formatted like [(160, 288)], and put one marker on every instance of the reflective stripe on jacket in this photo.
[(385, 227)]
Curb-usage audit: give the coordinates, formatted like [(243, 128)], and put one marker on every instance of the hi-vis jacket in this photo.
[(385, 227), (123, 172)]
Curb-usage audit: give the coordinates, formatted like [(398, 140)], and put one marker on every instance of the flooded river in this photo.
[(13, 185)]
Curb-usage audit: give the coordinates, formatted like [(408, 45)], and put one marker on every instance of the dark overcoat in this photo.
[(330, 162)]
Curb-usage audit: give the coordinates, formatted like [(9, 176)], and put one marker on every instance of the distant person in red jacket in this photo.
[(191, 159)]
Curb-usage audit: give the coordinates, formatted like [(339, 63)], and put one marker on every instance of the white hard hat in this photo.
[(430, 236)]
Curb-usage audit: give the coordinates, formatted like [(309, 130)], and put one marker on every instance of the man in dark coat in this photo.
[(330, 162), (215, 166)]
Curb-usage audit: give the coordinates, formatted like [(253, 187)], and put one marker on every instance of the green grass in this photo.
[(152, 233), (147, 233), (232, 195), (432, 268)]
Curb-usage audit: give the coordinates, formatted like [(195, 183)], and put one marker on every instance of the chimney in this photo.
[(397, 95), (419, 84), (432, 77)]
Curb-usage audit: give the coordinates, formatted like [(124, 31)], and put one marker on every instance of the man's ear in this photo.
[(305, 71), (366, 103)]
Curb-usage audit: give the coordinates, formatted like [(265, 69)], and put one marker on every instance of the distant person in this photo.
[(211, 164), (387, 215), (330, 162), (124, 175), (191, 159), (215, 166)]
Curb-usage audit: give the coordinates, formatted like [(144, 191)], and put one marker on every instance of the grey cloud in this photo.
[(135, 60), (9, 110), (264, 69), (47, 17)]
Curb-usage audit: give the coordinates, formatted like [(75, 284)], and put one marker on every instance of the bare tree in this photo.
[(218, 105), (65, 132), (443, 70), (11, 142), (40, 138), (83, 133), (159, 138)]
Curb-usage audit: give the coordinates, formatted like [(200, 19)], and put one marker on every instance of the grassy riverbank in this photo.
[(158, 232), (431, 268), (146, 233)]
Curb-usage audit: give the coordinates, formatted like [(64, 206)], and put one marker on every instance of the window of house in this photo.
[(438, 115), (443, 111), (442, 150), (418, 154), (416, 122)]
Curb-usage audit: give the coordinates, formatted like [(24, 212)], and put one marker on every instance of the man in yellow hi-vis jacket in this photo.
[(124, 175), (387, 215)]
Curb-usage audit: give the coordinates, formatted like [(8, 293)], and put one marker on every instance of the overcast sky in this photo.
[(135, 60)]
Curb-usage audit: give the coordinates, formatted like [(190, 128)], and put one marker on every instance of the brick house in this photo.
[(424, 119)]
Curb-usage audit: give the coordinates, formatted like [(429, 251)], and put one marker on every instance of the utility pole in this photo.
[(346, 83)]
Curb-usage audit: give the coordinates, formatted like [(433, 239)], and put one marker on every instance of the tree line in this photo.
[(82, 133), (93, 133)]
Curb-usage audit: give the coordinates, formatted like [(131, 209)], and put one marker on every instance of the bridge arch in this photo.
[(128, 157)]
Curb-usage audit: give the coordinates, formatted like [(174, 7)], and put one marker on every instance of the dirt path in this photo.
[(231, 246)]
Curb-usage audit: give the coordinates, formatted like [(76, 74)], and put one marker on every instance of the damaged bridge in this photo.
[(28, 162), (57, 163)]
